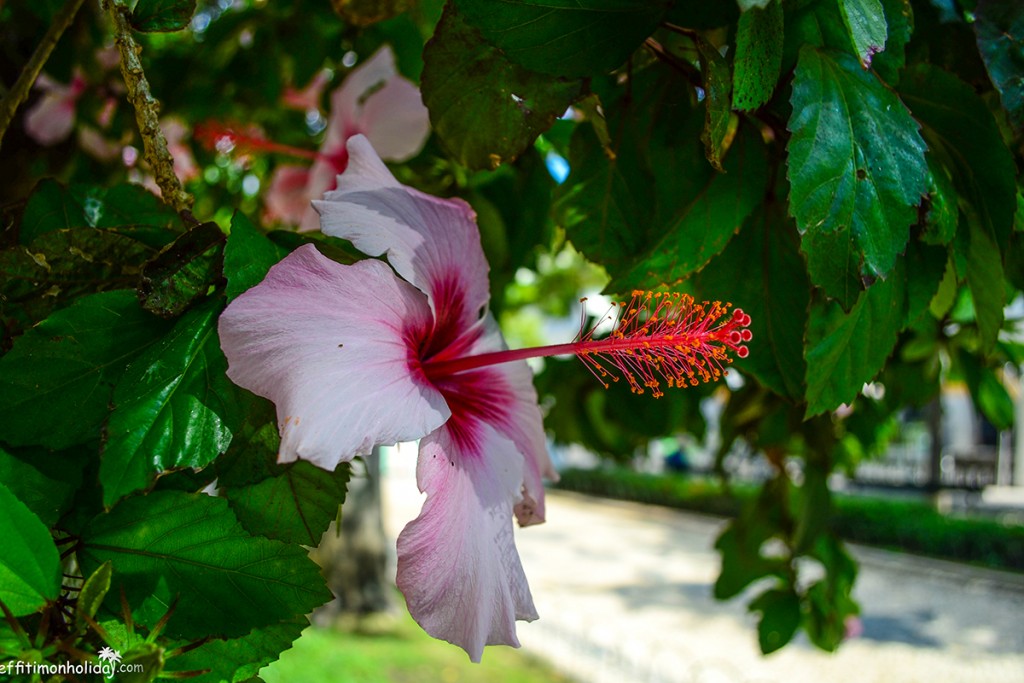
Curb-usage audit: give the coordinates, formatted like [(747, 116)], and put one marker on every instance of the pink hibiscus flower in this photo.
[(52, 117), (374, 101), (359, 355), (345, 353)]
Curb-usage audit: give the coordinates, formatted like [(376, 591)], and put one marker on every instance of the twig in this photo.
[(147, 111), (19, 92)]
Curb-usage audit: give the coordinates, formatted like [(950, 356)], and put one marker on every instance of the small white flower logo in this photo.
[(109, 655)]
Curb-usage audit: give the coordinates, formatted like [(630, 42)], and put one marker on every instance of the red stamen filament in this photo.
[(657, 337), (225, 139)]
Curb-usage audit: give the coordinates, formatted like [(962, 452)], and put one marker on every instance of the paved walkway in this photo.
[(624, 594)]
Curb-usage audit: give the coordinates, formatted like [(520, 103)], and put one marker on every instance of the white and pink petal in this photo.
[(457, 562), (329, 345), (432, 243)]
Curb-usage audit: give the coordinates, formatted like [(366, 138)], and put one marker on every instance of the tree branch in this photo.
[(147, 111)]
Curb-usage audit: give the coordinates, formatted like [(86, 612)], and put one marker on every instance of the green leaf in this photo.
[(248, 255), (829, 601), (56, 383), (985, 278), (899, 17), (62, 265), (856, 164), (296, 506), (758, 56), (44, 481), (51, 207), (999, 25), (943, 212), (988, 391), (845, 350), (183, 272), (780, 618), (173, 408), (239, 659), (865, 20), (162, 15), (486, 109), (926, 266), (717, 133), (773, 290), (94, 590), (30, 572), (127, 209), (566, 37), (191, 547), (657, 211), (966, 142)]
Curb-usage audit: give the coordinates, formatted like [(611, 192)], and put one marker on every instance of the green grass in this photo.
[(907, 525), (405, 654)]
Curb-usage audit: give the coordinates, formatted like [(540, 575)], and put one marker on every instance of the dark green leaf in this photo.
[(566, 37), (943, 212), (241, 658), (657, 211), (43, 480), (56, 383), (741, 542), (295, 506), (94, 590), (717, 98), (899, 17), (758, 56), (702, 14), (988, 391), (833, 262), (183, 272), (985, 278), (926, 266), (486, 109), (829, 601), (999, 25), (61, 265), (127, 209), (966, 142), (248, 255), (780, 618), (30, 572), (865, 21), (856, 163), (162, 15), (173, 408), (171, 545), (51, 207), (774, 291), (845, 350)]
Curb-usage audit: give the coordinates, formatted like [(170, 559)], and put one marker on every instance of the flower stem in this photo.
[(147, 111), (19, 92)]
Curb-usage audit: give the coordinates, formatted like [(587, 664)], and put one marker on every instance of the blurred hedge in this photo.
[(905, 525)]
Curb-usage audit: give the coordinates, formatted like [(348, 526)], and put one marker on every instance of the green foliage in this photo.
[(483, 126), (846, 171), (30, 568), (162, 15), (566, 37), (222, 580)]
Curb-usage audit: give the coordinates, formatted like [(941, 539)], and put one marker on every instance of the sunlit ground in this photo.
[(403, 655)]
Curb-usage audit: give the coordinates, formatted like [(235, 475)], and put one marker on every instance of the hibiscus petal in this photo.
[(287, 199), (329, 345), (432, 243), (51, 119), (521, 422), (348, 100), (395, 120), (457, 562)]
